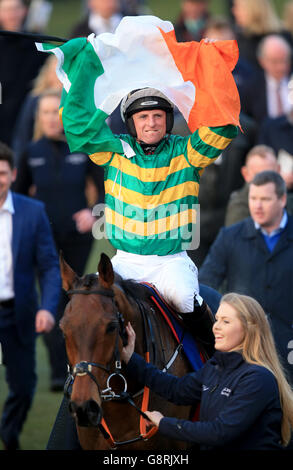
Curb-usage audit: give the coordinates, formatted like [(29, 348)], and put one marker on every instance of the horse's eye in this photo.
[(111, 327)]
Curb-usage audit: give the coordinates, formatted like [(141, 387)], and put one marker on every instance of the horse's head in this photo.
[(93, 329)]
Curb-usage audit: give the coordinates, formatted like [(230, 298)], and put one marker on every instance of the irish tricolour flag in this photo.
[(98, 71)]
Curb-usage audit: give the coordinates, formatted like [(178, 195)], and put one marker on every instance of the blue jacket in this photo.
[(33, 253), (239, 256), (239, 402)]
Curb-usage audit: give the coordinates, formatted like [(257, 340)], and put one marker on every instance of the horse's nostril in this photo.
[(94, 412), (87, 413)]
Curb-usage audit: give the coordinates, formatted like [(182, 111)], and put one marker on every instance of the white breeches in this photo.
[(174, 276)]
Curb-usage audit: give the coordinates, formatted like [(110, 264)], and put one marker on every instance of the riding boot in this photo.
[(199, 323)]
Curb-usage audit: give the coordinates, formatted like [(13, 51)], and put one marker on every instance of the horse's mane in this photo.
[(129, 286), (132, 288)]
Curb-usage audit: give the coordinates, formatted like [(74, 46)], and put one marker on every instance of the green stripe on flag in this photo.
[(85, 128)]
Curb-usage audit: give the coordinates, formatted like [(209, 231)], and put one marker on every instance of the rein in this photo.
[(84, 368)]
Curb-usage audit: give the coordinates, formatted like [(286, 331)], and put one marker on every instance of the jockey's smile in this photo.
[(150, 125)]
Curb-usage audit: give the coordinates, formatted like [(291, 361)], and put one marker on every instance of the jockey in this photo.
[(161, 178)]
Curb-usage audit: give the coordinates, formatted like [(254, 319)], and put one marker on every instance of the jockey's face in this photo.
[(150, 125)]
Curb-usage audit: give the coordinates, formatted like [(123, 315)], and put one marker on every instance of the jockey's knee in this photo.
[(182, 300)]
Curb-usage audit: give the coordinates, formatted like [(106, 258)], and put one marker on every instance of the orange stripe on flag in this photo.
[(208, 67)]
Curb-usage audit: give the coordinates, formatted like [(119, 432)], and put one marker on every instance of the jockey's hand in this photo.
[(154, 417), (44, 321), (84, 220), (208, 40), (128, 350)]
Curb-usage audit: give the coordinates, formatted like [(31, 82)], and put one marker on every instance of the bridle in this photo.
[(84, 368)]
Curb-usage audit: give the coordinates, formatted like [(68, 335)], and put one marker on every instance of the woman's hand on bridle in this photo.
[(154, 417), (128, 350)]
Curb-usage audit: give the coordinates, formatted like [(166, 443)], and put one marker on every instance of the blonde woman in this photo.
[(245, 400), (23, 132), (254, 20)]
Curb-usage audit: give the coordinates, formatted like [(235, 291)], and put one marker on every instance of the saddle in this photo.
[(174, 321)]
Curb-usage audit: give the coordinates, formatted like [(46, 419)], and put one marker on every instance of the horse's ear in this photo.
[(106, 273), (67, 274)]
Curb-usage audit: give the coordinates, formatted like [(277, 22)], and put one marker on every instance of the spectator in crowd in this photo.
[(38, 15), (24, 128), (253, 406), (103, 16), (266, 94), (219, 28), (59, 179), (135, 7), (191, 22), (259, 158), (26, 247), (128, 7), (254, 257), (253, 21), (278, 133), (19, 65)]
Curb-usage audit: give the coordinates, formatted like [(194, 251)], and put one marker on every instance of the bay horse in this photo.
[(106, 404)]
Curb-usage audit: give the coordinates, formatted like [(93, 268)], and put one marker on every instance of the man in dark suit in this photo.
[(103, 16), (254, 257), (26, 247), (266, 93)]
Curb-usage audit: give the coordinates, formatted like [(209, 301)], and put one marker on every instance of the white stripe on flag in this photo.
[(137, 56), (61, 74)]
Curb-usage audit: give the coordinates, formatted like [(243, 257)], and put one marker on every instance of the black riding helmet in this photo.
[(142, 99)]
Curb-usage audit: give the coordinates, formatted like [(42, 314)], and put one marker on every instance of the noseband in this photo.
[(85, 367)]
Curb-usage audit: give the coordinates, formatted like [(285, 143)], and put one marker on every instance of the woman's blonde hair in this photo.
[(259, 348), (288, 16), (261, 17), (42, 81), (38, 131)]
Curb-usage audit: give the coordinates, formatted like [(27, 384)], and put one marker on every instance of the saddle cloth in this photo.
[(190, 347)]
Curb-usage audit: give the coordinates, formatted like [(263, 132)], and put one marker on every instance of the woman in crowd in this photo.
[(24, 129), (253, 21), (245, 400)]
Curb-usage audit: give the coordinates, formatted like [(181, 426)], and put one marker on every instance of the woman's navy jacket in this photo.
[(60, 179), (239, 402)]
